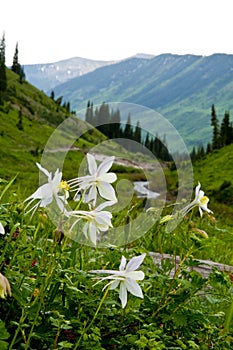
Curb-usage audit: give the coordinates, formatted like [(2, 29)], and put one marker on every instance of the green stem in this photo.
[(165, 301), (93, 319), (50, 273), (229, 317), (21, 321)]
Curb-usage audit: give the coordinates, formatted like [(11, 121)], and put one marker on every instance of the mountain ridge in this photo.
[(180, 87), (47, 75)]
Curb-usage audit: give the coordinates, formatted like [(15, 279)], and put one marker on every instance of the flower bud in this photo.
[(5, 288)]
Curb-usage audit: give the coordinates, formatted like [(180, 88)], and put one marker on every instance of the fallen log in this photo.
[(204, 267)]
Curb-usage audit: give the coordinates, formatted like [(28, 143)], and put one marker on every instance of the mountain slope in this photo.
[(215, 173), (48, 75), (22, 146), (181, 87)]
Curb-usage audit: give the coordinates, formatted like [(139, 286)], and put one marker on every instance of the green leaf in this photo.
[(65, 345), (3, 332), (3, 345)]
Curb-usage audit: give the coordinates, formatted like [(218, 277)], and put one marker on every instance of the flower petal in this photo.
[(135, 262), (104, 205), (200, 195), (135, 275), (45, 171), (123, 294), (112, 272), (109, 177), (56, 180), (107, 191), (103, 218), (92, 232), (200, 211), (2, 230), (42, 191), (92, 195), (61, 203), (92, 166), (197, 189), (105, 166), (114, 284), (123, 263), (134, 288)]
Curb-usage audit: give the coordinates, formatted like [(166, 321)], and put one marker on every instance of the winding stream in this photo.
[(141, 188)]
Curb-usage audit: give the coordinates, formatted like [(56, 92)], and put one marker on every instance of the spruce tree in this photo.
[(89, 117), (103, 119), (193, 154), (215, 124), (115, 124), (128, 130), (52, 95), (16, 67), (226, 131), (137, 133), (147, 141), (208, 148)]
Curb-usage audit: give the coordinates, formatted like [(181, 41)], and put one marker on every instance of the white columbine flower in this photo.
[(199, 201), (49, 191), (126, 277), (99, 180), (97, 220)]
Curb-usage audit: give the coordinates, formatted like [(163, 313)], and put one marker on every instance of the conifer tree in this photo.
[(3, 79), (215, 124), (208, 148), (115, 126), (52, 95), (147, 141), (102, 118), (89, 113), (193, 153), (16, 67), (200, 152), (137, 133), (128, 130), (226, 130)]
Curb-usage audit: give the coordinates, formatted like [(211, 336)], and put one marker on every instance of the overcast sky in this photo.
[(52, 30)]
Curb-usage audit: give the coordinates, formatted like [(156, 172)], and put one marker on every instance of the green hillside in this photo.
[(21, 147), (215, 173), (180, 87)]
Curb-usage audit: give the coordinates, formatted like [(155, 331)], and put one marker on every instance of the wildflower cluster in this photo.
[(53, 291), (86, 190)]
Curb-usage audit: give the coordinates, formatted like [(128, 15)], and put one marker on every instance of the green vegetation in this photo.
[(28, 118), (49, 298), (56, 304), (180, 87), (110, 124)]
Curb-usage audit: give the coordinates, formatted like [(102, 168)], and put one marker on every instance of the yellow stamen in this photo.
[(204, 200), (64, 185)]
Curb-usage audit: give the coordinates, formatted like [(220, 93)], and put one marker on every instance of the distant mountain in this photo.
[(48, 75), (181, 87)]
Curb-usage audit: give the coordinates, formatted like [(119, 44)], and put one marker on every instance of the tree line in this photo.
[(109, 123), (222, 135)]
